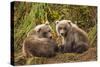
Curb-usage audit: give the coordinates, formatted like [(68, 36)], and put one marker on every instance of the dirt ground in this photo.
[(90, 55)]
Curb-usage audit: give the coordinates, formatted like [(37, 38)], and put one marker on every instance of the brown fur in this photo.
[(74, 38), (36, 44)]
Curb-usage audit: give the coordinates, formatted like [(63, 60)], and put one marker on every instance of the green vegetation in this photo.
[(28, 15)]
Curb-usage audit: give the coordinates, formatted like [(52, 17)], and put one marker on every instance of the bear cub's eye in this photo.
[(64, 28), (49, 30), (60, 28)]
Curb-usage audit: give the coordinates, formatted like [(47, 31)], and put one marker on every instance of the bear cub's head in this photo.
[(63, 27), (43, 30)]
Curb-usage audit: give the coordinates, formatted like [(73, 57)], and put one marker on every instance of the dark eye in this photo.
[(60, 28), (49, 31), (64, 28)]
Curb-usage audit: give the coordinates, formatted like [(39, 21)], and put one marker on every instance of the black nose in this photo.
[(62, 33)]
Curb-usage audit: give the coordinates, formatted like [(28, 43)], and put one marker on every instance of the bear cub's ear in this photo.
[(70, 23), (39, 30), (47, 23), (56, 22)]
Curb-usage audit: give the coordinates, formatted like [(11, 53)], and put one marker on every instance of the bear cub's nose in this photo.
[(62, 34)]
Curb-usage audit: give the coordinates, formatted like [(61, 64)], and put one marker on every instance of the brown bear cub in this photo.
[(74, 39), (39, 42)]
